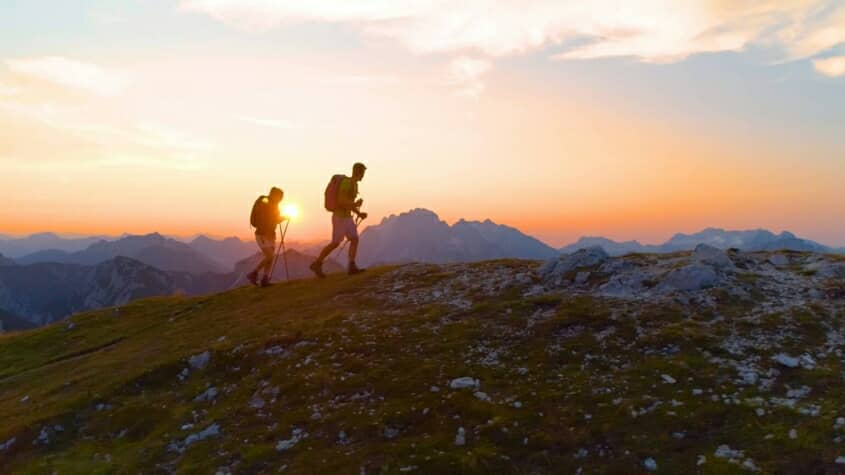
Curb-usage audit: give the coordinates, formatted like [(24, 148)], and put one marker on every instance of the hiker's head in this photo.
[(276, 195), (358, 171)]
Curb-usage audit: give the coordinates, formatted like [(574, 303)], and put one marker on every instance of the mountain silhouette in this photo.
[(748, 240), (420, 236), (152, 249), (19, 247), (226, 252)]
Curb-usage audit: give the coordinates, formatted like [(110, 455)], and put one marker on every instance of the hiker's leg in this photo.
[(327, 250), (267, 262), (353, 248)]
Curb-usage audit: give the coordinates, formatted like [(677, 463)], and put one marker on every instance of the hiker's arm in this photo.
[(346, 200)]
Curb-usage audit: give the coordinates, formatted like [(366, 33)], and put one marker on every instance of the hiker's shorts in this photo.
[(343, 227), (267, 244)]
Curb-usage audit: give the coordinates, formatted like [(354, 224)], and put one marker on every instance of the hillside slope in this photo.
[(492, 367)]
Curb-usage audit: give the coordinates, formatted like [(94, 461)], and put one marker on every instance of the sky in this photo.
[(630, 120)]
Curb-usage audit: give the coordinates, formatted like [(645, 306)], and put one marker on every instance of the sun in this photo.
[(290, 211)]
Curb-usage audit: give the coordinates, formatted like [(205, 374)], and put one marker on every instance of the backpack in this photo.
[(332, 191), (261, 215)]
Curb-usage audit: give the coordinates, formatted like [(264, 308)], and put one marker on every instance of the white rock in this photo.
[(793, 434), (211, 431), (749, 465), (701, 460), (481, 396), (786, 360), (461, 437), (726, 452), (8, 444), (296, 436), (650, 464), (435, 389), (840, 460), (465, 382), (208, 395), (760, 411), (200, 361), (697, 392), (668, 379)]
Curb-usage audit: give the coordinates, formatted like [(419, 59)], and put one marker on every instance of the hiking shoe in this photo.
[(265, 282), (252, 277), (317, 268), (354, 269)]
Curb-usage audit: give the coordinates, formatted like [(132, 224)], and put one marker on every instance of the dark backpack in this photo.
[(261, 216), (332, 191)]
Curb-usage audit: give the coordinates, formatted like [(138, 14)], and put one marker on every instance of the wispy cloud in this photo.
[(649, 30), (466, 74), (833, 67), (70, 73), (264, 122), (8, 90)]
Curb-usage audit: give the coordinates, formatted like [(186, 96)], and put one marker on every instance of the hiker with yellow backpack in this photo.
[(341, 199)]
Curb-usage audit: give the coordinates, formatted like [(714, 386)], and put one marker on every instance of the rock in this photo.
[(667, 379), (208, 395), (211, 431), (296, 436), (840, 460), (554, 269), (8, 444), (840, 423), (786, 360), (778, 260), (650, 464), (481, 396), (793, 434), (689, 278), (712, 256), (461, 437), (465, 382), (582, 277), (200, 361), (626, 284), (726, 452), (391, 433)]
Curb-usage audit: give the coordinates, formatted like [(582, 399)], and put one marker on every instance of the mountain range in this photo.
[(750, 240), (420, 236), (19, 247), (153, 249)]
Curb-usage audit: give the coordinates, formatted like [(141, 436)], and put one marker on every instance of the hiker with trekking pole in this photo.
[(341, 199), (265, 217)]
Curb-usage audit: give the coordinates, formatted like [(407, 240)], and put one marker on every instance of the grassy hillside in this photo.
[(352, 375)]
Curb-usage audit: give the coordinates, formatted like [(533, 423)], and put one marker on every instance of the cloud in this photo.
[(652, 30), (70, 73), (270, 123), (8, 90), (362, 80), (466, 74), (833, 67)]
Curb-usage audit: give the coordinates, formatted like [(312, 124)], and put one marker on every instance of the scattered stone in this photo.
[(391, 433), (726, 452), (481, 396), (650, 464), (8, 444), (211, 431), (200, 361), (778, 260), (840, 460), (786, 360), (461, 437), (208, 395), (435, 389), (668, 379), (296, 436), (793, 434), (465, 382), (554, 269), (712, 256)]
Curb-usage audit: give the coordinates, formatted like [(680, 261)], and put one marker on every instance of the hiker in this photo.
[(342, 200), (265, 217)]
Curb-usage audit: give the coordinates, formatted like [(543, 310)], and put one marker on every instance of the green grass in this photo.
[(366, 363)]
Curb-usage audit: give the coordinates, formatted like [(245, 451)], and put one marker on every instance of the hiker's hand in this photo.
[(359, 203), (363, 215)]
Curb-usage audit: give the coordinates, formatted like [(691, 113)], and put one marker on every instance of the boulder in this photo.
[(625, 284), (713, 256), (691, 277), (555, 269), (778, 260)]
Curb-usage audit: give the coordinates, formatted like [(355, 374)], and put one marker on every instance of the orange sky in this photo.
[(180, 136)]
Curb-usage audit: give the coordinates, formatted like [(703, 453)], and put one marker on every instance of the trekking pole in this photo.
[(284, 251), (279, 249)]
